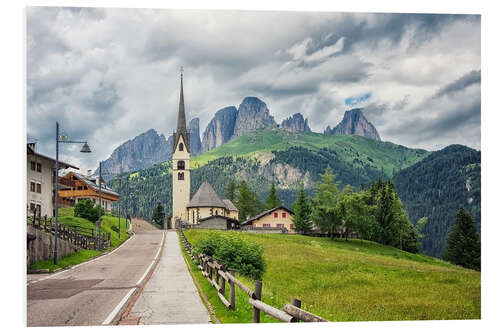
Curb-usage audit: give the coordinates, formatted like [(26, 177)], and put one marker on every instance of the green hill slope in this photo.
[(270, 155), (436, 187), (355, 281)]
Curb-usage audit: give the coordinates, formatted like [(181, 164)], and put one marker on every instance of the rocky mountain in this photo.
[(194, 135), (141, 152), (146, 149), (220, 129), (295, 123), (252, 114), (354, 122)]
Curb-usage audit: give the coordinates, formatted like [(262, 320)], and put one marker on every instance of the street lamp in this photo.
[(85, 149)]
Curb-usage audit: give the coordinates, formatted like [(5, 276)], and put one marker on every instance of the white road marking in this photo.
[(113, 313)]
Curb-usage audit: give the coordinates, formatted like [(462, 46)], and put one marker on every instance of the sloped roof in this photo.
[(229, 205), (32, 151), (91, 184), (206, 197), (266, 213)]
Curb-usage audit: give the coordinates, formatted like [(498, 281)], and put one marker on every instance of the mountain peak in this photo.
[(252, 114), (295, 123), (354, 122)]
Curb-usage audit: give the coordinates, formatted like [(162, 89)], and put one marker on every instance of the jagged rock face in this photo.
[(194, 136), (295, 123), (252, 114), (142, 151), (354, 122), (220, 129)]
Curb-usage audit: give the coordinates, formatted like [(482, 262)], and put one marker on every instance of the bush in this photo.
[(236, 253), (86, 209)]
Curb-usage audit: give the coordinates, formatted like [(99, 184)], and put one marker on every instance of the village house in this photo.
[(41, 181), (86, 187), (276, 218)]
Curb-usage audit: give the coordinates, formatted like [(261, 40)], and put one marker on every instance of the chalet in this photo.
[(206, 203), (41, 176), (276, 218), (86, 187)]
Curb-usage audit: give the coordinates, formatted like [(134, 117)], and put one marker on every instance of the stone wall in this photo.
[(41, 246)]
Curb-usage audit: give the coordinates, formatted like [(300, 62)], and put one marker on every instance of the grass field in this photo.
[(66, 217), (386, 155), (354, 281)]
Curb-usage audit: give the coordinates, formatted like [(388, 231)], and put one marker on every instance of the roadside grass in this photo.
[(354, 280), (109, 224)]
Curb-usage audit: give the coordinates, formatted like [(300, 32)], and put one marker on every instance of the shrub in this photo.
[(235, 252), (86, 209)]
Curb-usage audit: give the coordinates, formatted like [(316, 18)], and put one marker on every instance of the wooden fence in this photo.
[(220, 277), (84, 238)]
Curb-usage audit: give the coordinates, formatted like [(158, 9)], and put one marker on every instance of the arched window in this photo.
[(216, 212), (180, 165), (181, 146), (181, 175)]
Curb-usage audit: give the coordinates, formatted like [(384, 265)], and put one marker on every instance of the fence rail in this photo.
[(81, 237), (218, 275)]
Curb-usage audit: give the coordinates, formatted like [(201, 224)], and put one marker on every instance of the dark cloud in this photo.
[(109, 74), (473, 77)]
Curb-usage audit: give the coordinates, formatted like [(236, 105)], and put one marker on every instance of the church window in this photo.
[(181, 175), (216, 212), (181, 146), (181, 165)]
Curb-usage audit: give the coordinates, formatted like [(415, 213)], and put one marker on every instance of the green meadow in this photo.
[(352, 280)]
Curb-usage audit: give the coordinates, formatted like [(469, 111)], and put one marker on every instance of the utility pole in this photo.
[(57, 194), (100, 207)]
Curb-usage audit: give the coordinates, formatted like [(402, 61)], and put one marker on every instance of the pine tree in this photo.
[(231, 190), (302, 212), (325, 213), (463, 246), (272, 200), (247, 202), (158, 216)]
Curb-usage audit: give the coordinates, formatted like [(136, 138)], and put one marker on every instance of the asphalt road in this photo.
[(90, 293)]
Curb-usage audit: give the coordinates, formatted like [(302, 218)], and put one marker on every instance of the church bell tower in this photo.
[(181, 182)]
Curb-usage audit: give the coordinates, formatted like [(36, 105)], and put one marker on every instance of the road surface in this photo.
[(90, 294)]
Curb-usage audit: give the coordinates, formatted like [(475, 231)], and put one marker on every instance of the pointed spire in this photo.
[(181, 120)]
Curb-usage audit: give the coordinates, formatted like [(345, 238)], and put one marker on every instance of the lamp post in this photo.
[(85, 149)]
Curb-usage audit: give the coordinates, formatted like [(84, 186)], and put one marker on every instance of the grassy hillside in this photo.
[(386, 156), (354, 281), (109, 224), (270, 155)]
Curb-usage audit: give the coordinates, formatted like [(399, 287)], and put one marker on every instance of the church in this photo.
[(205, 203)]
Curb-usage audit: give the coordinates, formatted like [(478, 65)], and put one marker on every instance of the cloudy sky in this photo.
[(108, 75)]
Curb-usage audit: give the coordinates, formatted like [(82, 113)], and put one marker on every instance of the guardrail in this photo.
[(85, 238), (219, 276)]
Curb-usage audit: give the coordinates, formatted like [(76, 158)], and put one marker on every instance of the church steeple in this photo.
[(181, 120)]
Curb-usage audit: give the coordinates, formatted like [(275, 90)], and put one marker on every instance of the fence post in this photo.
[(298, 303), (258, 296), (223, 282), (232, 291)]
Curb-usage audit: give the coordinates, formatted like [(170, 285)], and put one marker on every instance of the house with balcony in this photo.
[(40, 178), (80, 187), (279, 218)]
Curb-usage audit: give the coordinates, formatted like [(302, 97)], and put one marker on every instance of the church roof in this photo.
[(229, 205), (181, 123), (206, 197)]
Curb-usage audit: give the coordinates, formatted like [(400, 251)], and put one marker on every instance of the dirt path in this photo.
[(139, 225)]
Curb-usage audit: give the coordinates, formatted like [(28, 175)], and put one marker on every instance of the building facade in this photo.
[(41, 181), (279, 217), (80, 187)]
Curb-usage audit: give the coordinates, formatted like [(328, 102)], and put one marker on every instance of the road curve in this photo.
[(89, 294)]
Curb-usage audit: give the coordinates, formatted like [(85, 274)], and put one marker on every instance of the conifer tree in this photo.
[(272, 200), (325, 213), (247, 203), (158, 216), (231, 190), (463, 246), (302, 212)]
